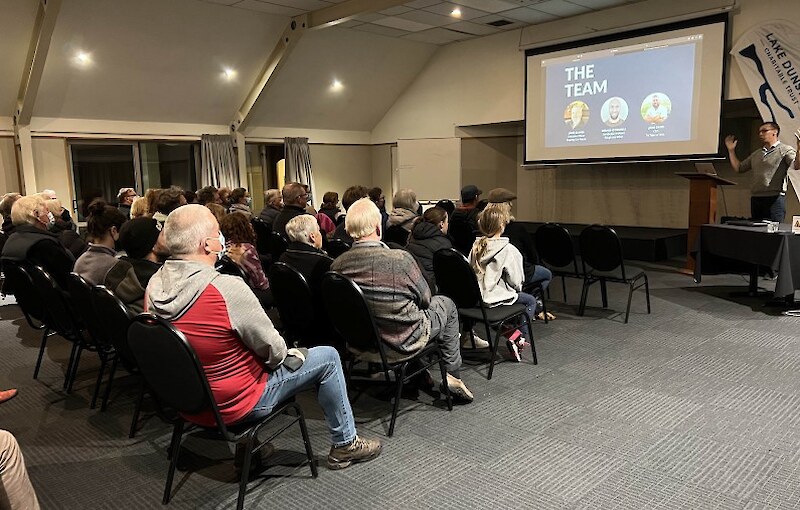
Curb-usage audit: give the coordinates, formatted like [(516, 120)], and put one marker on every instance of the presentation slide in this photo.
[(637, 98)]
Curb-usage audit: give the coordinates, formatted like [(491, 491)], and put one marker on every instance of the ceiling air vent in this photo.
[(500, 23)]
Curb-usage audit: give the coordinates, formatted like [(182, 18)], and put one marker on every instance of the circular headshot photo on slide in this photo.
[(656, 108), (576, 115), (614, 111)]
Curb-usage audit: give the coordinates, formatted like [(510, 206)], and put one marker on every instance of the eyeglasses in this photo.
[(766, 130)]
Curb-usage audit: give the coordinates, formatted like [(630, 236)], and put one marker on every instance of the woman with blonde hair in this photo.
[(498, 266), (138, 208)]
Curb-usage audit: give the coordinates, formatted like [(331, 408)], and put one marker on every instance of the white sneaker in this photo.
[(480, 343)]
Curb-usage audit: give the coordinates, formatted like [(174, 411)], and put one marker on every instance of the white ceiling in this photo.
[(430, 21), (16, 25)]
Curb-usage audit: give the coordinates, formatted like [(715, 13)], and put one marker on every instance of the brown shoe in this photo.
[(360, 450), (459, 390), (7, 395)]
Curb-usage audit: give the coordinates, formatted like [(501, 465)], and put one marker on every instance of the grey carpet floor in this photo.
[(694, 406)]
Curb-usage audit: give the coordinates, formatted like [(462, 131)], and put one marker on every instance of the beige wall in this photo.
[(9, 178), (337, 167), (52, 168), (489, 162), (382, 171)]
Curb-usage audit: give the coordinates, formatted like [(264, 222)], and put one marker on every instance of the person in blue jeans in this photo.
[(246, 361)]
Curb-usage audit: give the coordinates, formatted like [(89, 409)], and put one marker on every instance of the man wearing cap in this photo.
[(464, 220), (125, 198), (143, 241), (517, 234)]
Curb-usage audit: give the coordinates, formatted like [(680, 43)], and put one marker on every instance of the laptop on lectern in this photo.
[(705, 168)]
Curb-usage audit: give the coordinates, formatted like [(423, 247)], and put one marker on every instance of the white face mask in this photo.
[(224, 249), (51, 220), (249, 201)]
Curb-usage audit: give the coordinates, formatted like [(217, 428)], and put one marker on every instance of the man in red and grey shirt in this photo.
[(240, 350)]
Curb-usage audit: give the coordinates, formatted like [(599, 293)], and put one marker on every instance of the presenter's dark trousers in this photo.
[(768, 208)]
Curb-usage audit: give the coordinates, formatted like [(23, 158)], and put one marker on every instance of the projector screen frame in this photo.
[(723, 18)]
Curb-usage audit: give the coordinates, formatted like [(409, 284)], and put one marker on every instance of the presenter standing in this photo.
[(769, 165)]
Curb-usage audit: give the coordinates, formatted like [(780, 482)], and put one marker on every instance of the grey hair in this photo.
[(300, 227), (406, 199), (271, 194), (362, 218), (187, 227)]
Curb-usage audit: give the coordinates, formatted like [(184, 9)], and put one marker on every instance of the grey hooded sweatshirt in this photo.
[(501, 275)]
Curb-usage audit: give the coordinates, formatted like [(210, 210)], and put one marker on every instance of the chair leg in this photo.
[(447, 396), (244, 477), (72, 369), (45, 335), (99, 381), (647, 292), (530, 333), (137, 410), (544, 310), (399, 375), (174, 450), (306, 441), (584, 295), (494, 350), (111, 374), (564, 287), (604, 293), (630, 296)]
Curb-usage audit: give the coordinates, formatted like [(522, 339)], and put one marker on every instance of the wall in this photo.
[(381, 156), (337, 167), (9, 178), (489, 162), (52, 168)]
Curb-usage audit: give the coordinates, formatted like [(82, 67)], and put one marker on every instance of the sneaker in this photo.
[(7, 395), (480, 343), (360, 450), (458, 390), (514, 350)]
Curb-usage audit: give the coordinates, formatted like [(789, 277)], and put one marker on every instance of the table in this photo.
[(750, 248)]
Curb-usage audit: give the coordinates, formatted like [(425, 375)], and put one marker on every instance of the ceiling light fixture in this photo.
[(336, 85), (456, 13), (229, 73), (82, 59)]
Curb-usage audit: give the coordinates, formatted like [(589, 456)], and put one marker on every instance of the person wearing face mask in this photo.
[(103, 228), (32, 243), (65, 229), (142, 239), (240, 202)]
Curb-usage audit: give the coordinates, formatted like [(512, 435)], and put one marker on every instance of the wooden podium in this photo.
[(702, 206)]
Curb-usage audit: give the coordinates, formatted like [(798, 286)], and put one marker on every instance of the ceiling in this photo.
[(431, 21)]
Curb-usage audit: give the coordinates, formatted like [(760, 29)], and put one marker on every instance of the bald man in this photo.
[(295, 200)]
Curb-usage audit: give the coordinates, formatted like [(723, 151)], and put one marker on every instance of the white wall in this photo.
[(337, 167), (9, 178)]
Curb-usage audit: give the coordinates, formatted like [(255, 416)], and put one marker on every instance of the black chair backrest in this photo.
[(554, 246), (294, 301), (276, 245), (170, 366), (456, 279), (80, 293), (18, 281), (115, 319), (350, 314), (262, 234), (396, 234), (336, 247), (463, 236), (601, 248), (58, 308), (229, 267)]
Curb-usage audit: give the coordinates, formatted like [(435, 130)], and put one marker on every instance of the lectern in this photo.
[(702, 206)]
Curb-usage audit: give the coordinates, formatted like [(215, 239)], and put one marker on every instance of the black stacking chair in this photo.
[(557, 253), (456, 280), (262, 230), (173, 373), (396, 234), (336, 247), (295, 304), (81, 293), (226, 266), (463, 236), (351, 317), (17, 281), (115, 318), (601, 253), (62, 319), (276, 245)]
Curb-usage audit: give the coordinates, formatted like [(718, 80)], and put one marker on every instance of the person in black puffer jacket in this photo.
[(429, 235)]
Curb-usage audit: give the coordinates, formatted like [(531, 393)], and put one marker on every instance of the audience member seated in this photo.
[(125, 199), (143, 243), (309, 208), (5, 210), (406, 315), (240, 202), (326, 225), (517, 234), (65, 229), (208, 195), (295, 200), (139, 208), (225, 197), (350, 196), (240, 236), (16, 491), (243, 355), (447, 205), (498, 266), (304, 252), (330, 206), (464, 219), (167, 201), (429, 235), (376, 195), (217, 210), (151, 195), (190, 196), (33, 243), (273, 205), (404, 211), (102, 229)]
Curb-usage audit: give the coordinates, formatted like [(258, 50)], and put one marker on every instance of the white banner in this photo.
[(769, 57)]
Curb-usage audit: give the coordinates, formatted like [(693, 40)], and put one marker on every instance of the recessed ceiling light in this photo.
[(82, 59), (456, 13), (229, 73), (336, 85)]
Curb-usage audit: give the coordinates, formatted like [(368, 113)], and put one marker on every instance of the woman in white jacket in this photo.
[(498, 265)]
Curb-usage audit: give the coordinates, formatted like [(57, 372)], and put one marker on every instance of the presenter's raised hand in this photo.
[(731, 142)]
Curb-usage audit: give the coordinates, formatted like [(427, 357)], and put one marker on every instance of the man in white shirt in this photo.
[(657, 113)]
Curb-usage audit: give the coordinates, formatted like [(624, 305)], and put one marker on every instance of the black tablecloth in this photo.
[(750, 246)]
